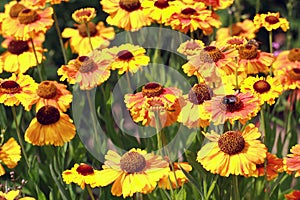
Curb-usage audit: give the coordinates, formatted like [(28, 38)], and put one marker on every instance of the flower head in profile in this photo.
[(176, 177), (192, 113), (80, 42), (266, 89), (292, 162), (252, 60), (88, 71), (125, 14), (233, 152), (82, 174), (84, 15), (287, 59), (12, 195), (54, 94), (191, 47), (155, 102), (10, 154), (240, 106), (271, 21), (245, 29), (134, 171), (28, 23), (20, 55), (50, 127), (274, 165), (192, 17), (18, 89), (160, 10), (293, 195), (128, 58)]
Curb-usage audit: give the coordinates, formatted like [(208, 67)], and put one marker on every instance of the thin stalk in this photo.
[(271, 48), (93, 117), (59, 36), (89, 35), (89, 189), (238, 10), (257, 6), (235, 183), (37, 60), (19, 135)]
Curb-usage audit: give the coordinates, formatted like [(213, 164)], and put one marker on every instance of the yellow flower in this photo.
[(271, 21), (291, 161), (12, 195), (215, 4), (50, 127), (84, 15), (128, 58), (125, 14), (233, 152), (135, 171), (54, 94), (20, 55), (82, 175), (154, 101), (10, 154), (190, 47), (79, 41), (18, 89), (266, 89)]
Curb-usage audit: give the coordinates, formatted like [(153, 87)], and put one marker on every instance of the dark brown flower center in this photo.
[(261, 86), (87, 64), (10, 87), (125, 55), (199, 93), (84, 13), (161, 4), (132, 162), (130, 5), (249, 51), (17, 47), (236, 30), (15, 10), (152, 89), (47, 90), (2, 198), (294, 74), (47, 115), (294, 55), (188, 11), (85, 169), (272, 19), (231, 142), (28, 16), (260, 166), (83, 29), (211, 54), (231, 103)]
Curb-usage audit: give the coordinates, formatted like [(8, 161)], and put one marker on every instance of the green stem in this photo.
[(271, 48), (89, 35), (290, 7), (235, 183), (257, 6), (37, 61), (59, 36), (19, 135), (93, 117), (89, 189), (238, 10), (137, 196)]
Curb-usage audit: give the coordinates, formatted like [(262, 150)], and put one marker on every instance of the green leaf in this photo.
[(40, 194)]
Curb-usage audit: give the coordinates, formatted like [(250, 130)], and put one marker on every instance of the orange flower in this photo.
[(274, 165), (152, 101), (245, 29), (271, 21), (18, 89), (289, 77), (292, 161), (232, 107), (54, 94), (88, 71), (293, 195), (192, 17), (175, 178), (84, 15), (10, 154), (253, 61), (28, 23), (50, 127), (125, 14), (20, 55), (79, 41), (192, 113), (287, 59), (215, 4)]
